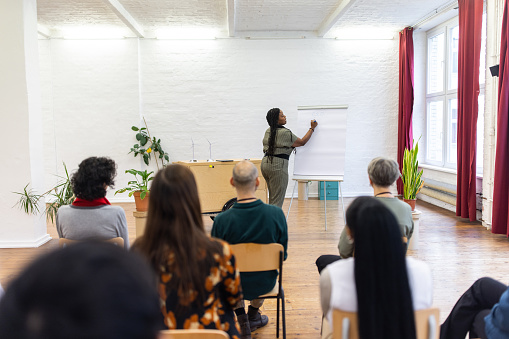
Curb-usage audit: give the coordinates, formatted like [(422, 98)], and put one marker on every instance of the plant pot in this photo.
[(141, 204), (411, 202)]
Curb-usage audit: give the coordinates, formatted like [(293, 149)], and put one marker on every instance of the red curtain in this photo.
[(501, 180), (469, 50), (406, 96)]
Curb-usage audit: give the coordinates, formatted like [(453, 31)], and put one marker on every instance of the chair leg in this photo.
[(283, 312), (277, 319)]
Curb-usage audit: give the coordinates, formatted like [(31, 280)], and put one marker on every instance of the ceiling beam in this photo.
[(126, 17), (230, 7), (44, 31), (334, 17)]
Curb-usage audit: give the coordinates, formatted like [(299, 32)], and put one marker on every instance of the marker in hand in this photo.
[(313, 124)]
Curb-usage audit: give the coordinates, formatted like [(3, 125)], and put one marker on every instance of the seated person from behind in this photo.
[(91, 215), (84, 291), (482, 312), (251, 221), (383, 173), (379, 283), (199, 283)]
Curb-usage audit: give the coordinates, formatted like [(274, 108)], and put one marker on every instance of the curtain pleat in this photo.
[(469, 51), (406, 96), (501, 179)]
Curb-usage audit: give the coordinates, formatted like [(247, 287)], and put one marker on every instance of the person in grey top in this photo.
[(91, 215), (383, 173)]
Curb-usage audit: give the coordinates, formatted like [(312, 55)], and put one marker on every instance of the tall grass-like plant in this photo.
[(61, 194), (411, 176)]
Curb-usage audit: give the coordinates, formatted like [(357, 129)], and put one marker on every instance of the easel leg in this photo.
[(291, 200), (325, 201), (342, 204)]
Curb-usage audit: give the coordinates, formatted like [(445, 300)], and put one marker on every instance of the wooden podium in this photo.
[(214, 188), (213, 181)]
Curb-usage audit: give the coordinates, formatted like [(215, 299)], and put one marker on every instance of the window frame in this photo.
[(446, 94)]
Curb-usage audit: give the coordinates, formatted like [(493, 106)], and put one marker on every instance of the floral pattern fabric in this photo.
[(224, 291)]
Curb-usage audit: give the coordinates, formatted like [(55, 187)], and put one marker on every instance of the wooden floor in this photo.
[(457, 251)]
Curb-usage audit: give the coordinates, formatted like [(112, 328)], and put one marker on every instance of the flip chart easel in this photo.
[(323, 157), (339, 179)]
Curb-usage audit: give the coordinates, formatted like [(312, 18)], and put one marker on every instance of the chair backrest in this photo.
[(63, 242), (427, 323), (189, 334), (345, 324), (251, 257)]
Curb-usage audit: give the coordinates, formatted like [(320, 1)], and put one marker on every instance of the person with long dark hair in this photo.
[(378, 283), (278, 144), (199, 282), (91, 216)]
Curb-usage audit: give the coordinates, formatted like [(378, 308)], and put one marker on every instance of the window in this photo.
[(442, 96)]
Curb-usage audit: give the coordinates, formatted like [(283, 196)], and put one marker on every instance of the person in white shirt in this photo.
[(378, 283)]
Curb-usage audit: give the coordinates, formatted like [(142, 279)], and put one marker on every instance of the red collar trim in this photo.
[(90, 203)]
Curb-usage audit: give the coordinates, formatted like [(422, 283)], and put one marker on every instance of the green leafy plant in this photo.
[(147, 145), (411, 177), (139, 184), (61, 195)]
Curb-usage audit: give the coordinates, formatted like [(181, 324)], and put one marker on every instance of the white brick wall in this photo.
[(217, 89)]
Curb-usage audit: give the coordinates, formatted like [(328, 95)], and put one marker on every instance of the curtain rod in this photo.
[(438, 11)]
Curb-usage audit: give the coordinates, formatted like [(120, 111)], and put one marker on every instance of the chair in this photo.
[(63, 242), (190, 334), (252, 257), (346, 325)]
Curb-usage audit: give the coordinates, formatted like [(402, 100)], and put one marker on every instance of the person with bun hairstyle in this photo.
[(278, 144), (91, 215)]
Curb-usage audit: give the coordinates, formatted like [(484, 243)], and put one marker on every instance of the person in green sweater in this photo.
[(251, 221)]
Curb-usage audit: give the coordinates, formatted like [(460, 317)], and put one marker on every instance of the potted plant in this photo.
[(411, 177), (139, 188), (147, 145), (61, 194)]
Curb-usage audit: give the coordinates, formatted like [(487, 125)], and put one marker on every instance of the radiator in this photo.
[(440, 191)]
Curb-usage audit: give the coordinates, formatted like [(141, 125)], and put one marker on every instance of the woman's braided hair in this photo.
[(272, 119)]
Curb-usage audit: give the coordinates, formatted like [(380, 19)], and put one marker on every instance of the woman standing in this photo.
[(278, 144), (199, 283)]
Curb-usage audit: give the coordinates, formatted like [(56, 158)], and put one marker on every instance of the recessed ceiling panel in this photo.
[(277, 15), (156, 14), (380, 16), (60, 14)]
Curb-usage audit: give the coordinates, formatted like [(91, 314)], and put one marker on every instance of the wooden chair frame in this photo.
[(251, 257), (63, 242), (190, 334), (345, 324)]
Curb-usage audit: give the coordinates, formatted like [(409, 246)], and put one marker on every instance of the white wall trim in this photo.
[(24, 244)]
